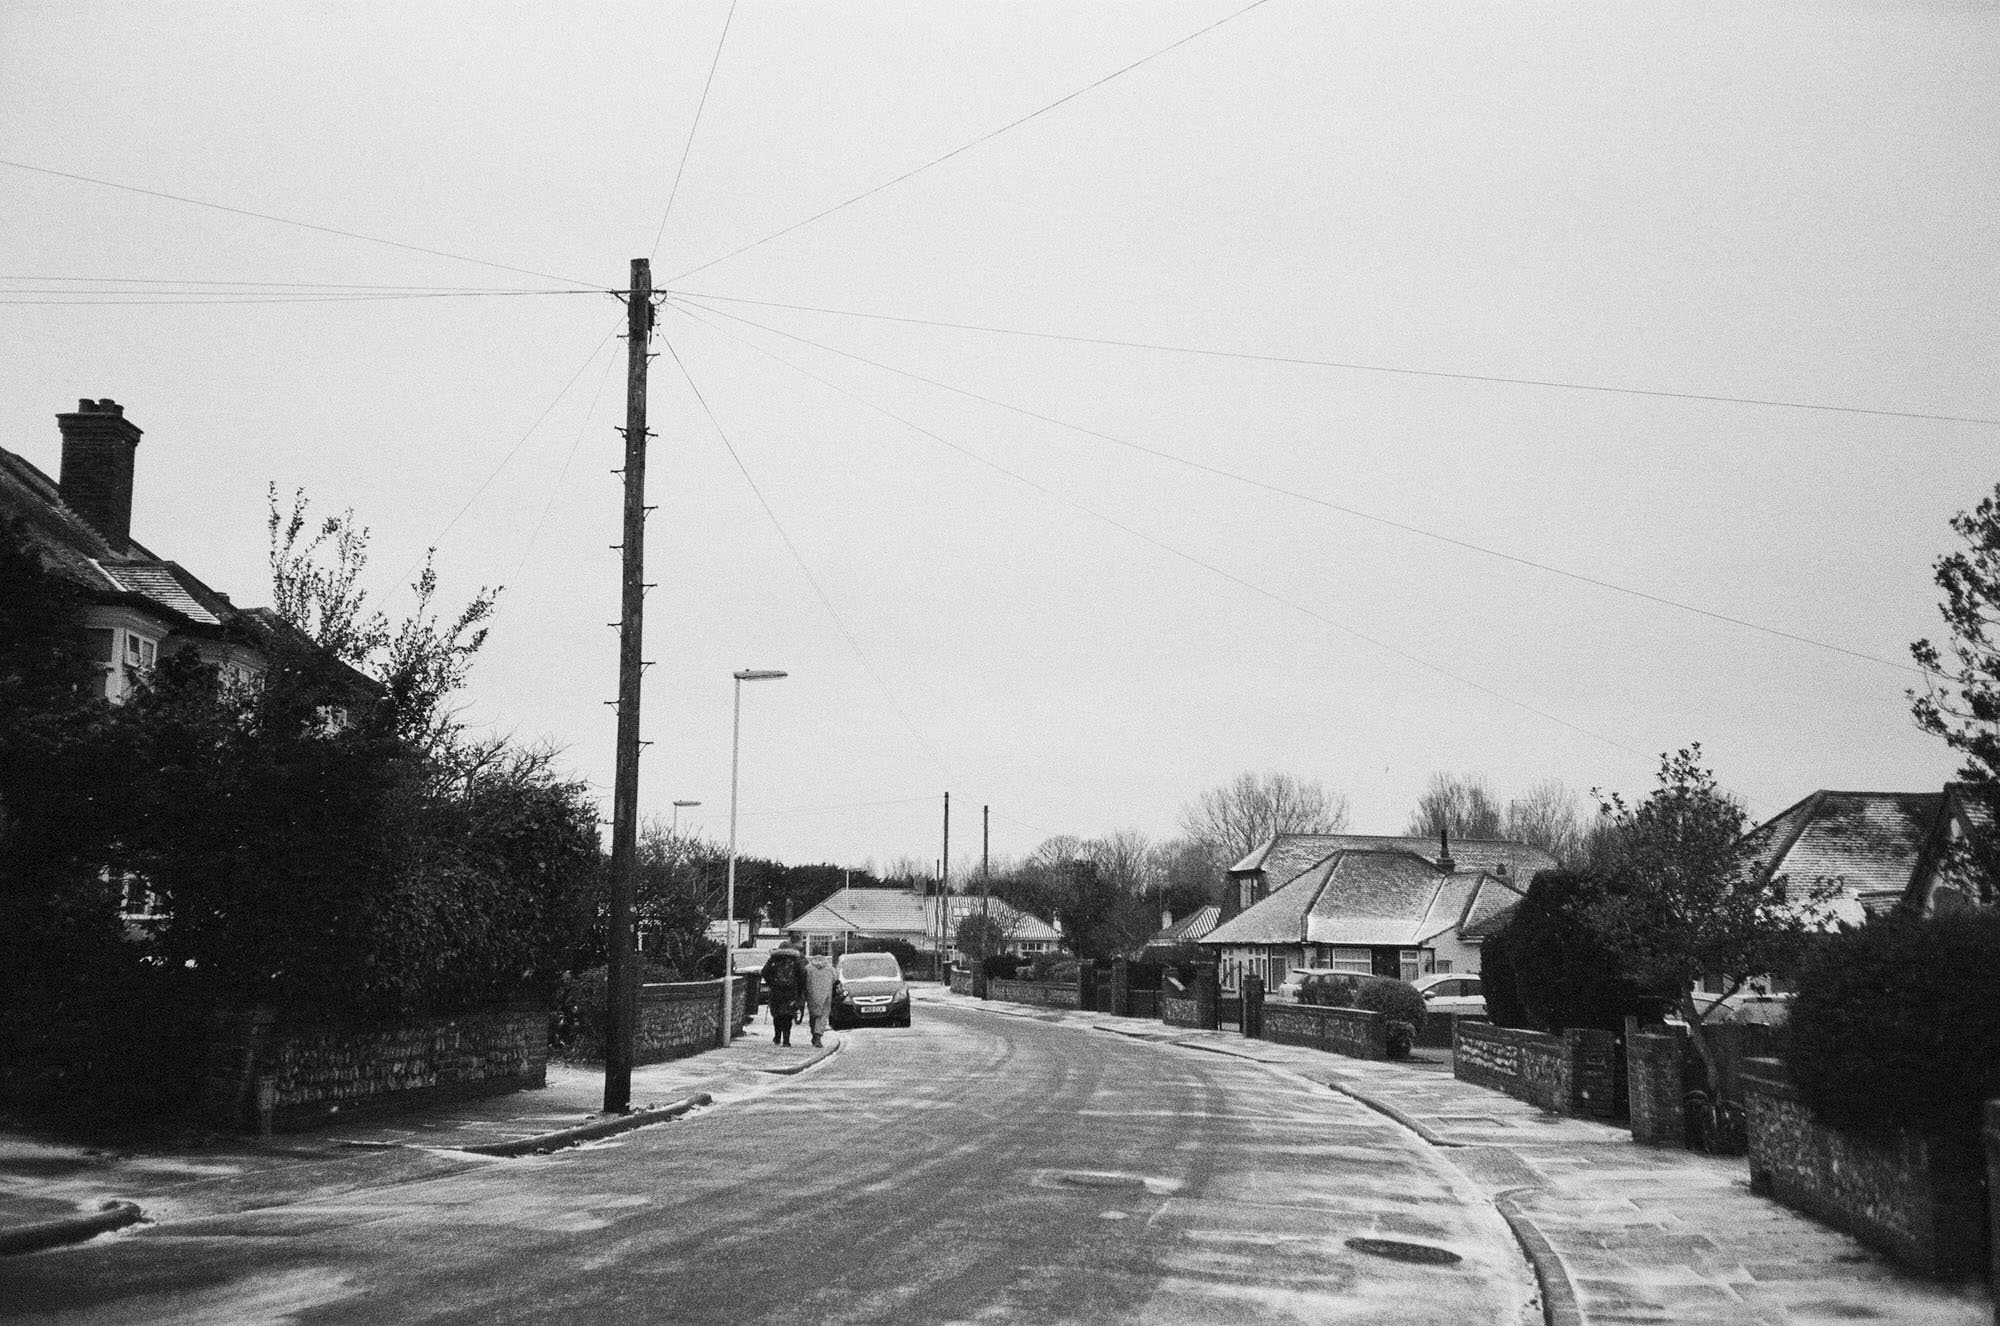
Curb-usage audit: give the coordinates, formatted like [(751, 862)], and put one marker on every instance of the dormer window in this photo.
[(140, 652)]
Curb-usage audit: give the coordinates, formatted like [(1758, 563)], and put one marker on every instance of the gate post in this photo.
[(1253, 1007)]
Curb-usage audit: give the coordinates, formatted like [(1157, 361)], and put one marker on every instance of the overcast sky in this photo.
[(1088, 617)]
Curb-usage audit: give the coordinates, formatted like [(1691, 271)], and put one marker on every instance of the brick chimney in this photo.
[(98, 447), (1445, 863)]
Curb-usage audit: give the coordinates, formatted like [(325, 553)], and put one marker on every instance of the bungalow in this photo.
[(911, 915), (1879, 850), (1401, 907), (1173, 934)]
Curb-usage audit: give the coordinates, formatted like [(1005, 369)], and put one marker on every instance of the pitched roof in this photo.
[(69, 545), (1366, 897), (1871, 843), (1188, 929), (878, 911), (1283, 856)]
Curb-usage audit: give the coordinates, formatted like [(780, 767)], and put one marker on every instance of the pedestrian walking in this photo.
[(784, 979), (819, 994)]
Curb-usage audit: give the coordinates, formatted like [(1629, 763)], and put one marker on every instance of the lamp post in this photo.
[(675, 825), (729, 903)]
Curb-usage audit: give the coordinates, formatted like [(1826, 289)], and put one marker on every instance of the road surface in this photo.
[(979, 1167)]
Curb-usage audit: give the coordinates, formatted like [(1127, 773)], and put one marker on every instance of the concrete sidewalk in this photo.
[(53, 1193), (1628, 1233)]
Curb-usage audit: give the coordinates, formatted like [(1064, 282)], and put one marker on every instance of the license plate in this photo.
[(873, 1012)]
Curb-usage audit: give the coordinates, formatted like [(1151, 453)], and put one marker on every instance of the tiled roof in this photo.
[(79, 552), (1487, 925), (1871, 842), (1367, 896), (1283, 857), (1189, 928), (879, 911)]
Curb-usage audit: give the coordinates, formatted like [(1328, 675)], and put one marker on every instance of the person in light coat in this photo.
[(819, 994)]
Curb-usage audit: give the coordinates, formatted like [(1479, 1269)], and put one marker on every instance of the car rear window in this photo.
[(864, 966)]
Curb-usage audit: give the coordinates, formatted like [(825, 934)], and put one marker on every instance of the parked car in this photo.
[(1295, 979), (868, 987), (1770, 1010), (1452, 992)]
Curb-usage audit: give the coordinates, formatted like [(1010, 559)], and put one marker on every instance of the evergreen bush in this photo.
[(1002, 966), (1564, 973), (1896, 1024)]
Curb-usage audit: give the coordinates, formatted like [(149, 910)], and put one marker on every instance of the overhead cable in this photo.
[(290, 221), (1279, 490), (840, 624), (695, 124), (1166, 547), (967, 147), (1352, 366)]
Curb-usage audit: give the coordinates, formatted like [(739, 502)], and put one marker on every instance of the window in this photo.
[(139, 651), (1412, 962), (1354, 960), (1443, 964), (1472, 988)]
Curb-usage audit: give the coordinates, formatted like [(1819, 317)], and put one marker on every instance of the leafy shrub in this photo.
[(1401, 1007), (1144, 974), (578, 1022), (1053, 966), (905, 952), (1896, 1024), (1003, 966), (1564, 973)]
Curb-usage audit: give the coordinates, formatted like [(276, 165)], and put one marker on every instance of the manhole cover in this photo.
[(1397, 1250), (1103, 1180)]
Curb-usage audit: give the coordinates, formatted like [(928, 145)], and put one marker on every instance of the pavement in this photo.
[(1616, 1232), (54, 1193)]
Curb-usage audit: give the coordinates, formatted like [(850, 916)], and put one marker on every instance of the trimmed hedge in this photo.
[(1896, 1024), (1563, 974), (1397, 1001)]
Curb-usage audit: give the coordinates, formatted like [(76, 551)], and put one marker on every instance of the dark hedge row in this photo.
[(1896, 1024)]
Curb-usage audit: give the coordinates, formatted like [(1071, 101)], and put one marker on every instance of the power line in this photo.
[(688, 147), (576, 443), (504, 460), (1304, 361), (1163, 546), (1266, 486), (194, 298), (983, 138), (825, 601), (290, 221), (249, 284), (851, 805)]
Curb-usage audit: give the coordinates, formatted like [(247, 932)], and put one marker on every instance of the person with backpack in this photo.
[(784, 981)]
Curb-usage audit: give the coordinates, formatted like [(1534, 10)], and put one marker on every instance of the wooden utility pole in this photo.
[(622, 997), (944, 894), (985, 861)]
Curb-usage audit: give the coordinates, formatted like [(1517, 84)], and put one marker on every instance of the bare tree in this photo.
[(1461, 803), (1236, 817), (1124, 860), (1550, 816)]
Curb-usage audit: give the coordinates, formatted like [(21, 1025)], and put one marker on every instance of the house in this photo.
[(1880, 850), (1283, 856), (912, 915), (1371, 905), (138, 606), (1173, 934)]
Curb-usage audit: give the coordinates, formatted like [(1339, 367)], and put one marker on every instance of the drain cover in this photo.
[(1396, 1250), (1103, 1181)]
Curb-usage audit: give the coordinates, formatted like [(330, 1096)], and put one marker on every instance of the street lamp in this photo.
[(729, 904), (675, 826)]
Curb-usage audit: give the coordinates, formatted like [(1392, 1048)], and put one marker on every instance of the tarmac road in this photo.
[(980, 1167)]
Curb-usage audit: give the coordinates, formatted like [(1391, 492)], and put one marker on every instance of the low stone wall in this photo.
[(1571, 1074), (1921, 1200), (1350, 1031), (350, 1068), (1041, 994), (680, 1019), (1179, 1011), (961, 981), (1656, 1068)]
